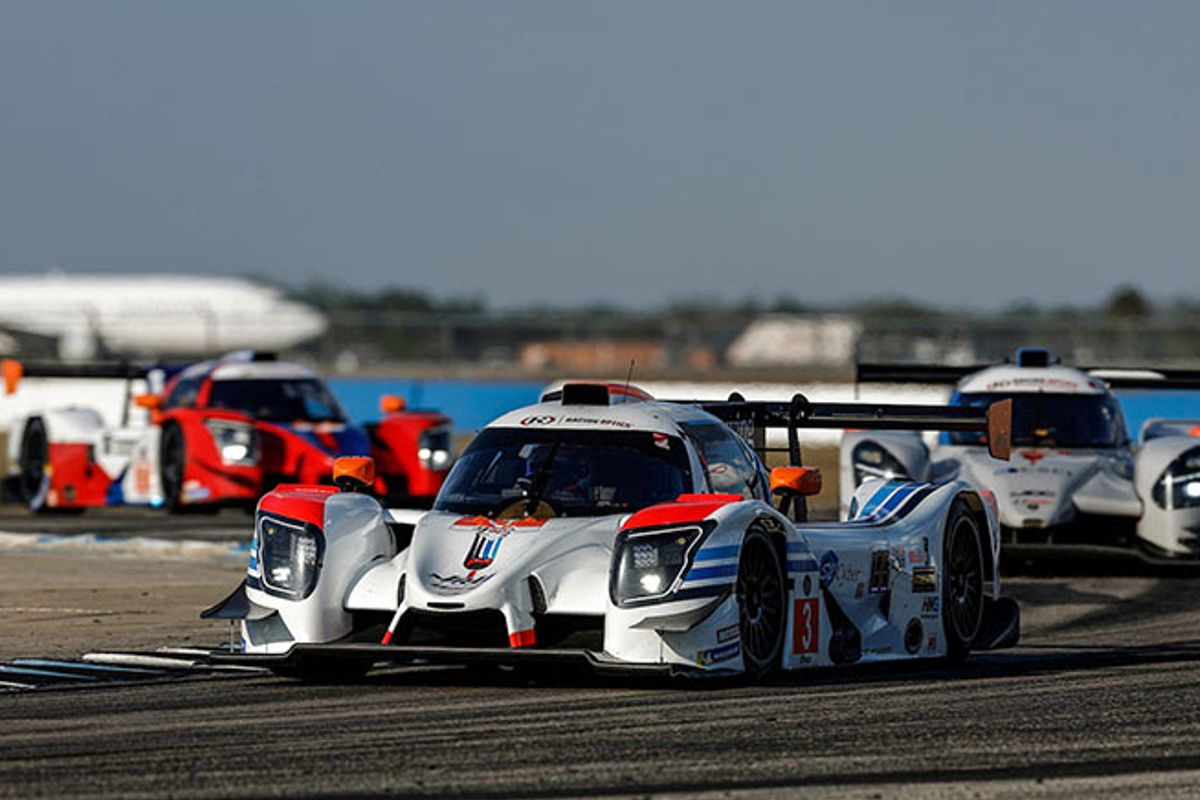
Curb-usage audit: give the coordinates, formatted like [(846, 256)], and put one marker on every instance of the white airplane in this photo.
[(154, 314)]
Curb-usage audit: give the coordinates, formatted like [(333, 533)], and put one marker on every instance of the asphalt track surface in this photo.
[(1102, 698)]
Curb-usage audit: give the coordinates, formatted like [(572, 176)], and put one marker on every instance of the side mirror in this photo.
[(392, 404), (792, 485), (354, 473), (804, 481), (12, 371), (150, 402)]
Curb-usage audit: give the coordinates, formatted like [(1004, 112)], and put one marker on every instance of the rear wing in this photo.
[(751, 420), (14, 371), (1115, 377)]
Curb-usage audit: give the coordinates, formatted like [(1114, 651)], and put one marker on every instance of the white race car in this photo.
[(603, 528), (1075, 478)]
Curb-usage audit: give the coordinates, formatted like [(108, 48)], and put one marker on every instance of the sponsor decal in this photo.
[(881, 572), (924, 579), (539, 419), (931, 644), (916, 556), (1032, 456), (877, 651), (706, 658), (728, 634), (848, 574), (912, 636), (194, 490), (807, 584), (141, 477), (828, 567), (662, 440), (931, 605), (489, 534), (459, 582), (498, 527), (806, 625), (601, 421), (483, 551)]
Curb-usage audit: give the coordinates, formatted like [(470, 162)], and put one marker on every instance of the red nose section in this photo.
[(302, 503), (685, 508)]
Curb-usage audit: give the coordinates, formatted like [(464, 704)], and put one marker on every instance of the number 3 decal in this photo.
[(806, 625)]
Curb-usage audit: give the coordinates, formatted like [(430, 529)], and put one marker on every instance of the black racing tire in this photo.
[(172, 456), (314, 669), (962, 581), (762, 604), (32, 457)]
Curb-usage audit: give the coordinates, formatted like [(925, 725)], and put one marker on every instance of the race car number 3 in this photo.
[(806, 625)]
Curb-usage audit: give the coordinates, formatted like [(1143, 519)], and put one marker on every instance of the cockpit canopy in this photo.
[(552, 472)]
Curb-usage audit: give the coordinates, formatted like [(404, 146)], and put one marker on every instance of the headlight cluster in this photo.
[(237, 442), (433, 448), (1179, 486), (872, 461), (647, 565), (289, 556)]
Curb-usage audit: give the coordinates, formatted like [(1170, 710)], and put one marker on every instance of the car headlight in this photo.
[(237, 442), (648, 565), (289, 554), (433, 448), (1179, 486), (872, 461)]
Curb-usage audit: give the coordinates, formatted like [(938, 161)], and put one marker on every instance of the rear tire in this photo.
[(32, 458), (962, 582), (762, 604)]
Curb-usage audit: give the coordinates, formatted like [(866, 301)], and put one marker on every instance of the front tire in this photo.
[(962, 581), (172, 456), (762, 604)]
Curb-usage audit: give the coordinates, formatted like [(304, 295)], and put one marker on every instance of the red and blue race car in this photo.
[(220, 432)]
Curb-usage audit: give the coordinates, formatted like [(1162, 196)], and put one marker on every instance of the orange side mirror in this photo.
[(801, 480), (354, 473), (392, 404), (150, 402), (12, 371)]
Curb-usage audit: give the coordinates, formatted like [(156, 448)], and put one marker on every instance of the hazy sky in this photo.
[(632, 152)]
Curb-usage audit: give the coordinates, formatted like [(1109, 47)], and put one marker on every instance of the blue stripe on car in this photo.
[(713, 553), (705, 573)]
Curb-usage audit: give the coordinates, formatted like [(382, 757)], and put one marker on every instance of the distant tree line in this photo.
[(1125, 302)]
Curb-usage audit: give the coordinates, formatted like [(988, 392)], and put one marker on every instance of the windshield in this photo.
[(1051, 420), (275, 400), (518, 472)]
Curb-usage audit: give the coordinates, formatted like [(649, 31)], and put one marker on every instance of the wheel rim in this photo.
[(964, 580), (172, 466), (760, 601), (32, 462)]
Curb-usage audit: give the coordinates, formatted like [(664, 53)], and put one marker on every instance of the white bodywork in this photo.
[(1110, 489), (540, 569)]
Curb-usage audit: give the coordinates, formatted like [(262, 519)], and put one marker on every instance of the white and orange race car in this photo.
[(1077, 480), (603, 528)]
